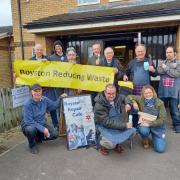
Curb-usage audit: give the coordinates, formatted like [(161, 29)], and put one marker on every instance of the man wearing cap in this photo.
[(51, 93), (34, 124), (58, 52)]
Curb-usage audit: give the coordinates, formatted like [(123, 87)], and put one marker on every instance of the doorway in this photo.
[(123, 50)]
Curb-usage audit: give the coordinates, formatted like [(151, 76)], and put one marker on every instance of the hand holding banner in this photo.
[(63, 74)]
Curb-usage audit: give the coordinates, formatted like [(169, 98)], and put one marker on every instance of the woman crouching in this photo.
[(150, 106)]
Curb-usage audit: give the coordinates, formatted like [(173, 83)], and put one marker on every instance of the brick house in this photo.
[(79, 23), (6, 56)]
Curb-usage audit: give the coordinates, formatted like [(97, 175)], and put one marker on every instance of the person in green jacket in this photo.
[(150, 104)]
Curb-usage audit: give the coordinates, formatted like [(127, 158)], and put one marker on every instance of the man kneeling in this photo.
[(34, 125), (109, 120)]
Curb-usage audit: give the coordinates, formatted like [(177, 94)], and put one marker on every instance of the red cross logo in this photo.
[(88, 117)]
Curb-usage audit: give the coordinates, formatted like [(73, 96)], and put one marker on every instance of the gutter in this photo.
[(107, 24), (103, 18)]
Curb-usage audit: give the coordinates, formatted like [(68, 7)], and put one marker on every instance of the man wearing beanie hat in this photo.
[(34, 124), (54, 92), (58, 52)]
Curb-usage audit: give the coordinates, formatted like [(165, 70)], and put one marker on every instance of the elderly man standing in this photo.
[(139, 71), (97, 57), (34, 124), (110, 61), (95, 60), (48, 92), (38, 49), (169, 86), (109, 120)]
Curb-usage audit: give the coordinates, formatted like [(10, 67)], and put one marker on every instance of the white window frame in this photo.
[(87, 3), (115, 0)]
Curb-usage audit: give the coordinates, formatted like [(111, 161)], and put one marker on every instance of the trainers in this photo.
[(104, 151), (34, 150), (119, 148), (146, 143)]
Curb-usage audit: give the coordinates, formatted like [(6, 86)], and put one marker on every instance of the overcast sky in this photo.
[(5, 13)]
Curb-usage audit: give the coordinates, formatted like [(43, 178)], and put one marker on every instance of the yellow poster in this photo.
[(63, 74)]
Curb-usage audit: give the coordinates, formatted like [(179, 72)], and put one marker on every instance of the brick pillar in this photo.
[(178, 43), (40, 39), (46, 42)]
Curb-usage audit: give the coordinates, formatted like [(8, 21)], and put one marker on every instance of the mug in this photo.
[(146, 66)]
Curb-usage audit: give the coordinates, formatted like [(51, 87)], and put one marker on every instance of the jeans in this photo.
[(33, 134), (174, 111), (159, 144), (54, 118)]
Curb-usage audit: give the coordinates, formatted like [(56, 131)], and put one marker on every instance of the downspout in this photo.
[(10, 59), (20, 28)]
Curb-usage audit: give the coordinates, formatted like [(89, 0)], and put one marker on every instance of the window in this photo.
[(86, 2)]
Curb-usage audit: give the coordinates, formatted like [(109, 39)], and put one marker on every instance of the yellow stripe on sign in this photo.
[(63, 74), (128, 84)]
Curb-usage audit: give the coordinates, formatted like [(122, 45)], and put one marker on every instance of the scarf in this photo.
[(150, 106)]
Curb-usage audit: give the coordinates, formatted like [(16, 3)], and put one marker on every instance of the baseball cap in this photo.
[(36, 86)]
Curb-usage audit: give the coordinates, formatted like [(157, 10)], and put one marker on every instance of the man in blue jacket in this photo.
[(34, 124)]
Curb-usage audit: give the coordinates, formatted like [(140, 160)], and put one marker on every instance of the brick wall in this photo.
[(5, 64), (32, 10)]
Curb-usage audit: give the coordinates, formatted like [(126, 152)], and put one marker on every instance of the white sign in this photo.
[(79, 118), (20, 95)]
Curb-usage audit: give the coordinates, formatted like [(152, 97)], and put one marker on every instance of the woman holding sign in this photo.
[(71, 58), (152, 117)]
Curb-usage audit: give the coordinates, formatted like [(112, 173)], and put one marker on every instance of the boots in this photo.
[(104, 151), (119, 148), (146, 143)]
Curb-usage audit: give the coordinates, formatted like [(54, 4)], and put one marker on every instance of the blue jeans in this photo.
[(54, 118), (33, 134), (174, 111), (159, 144)]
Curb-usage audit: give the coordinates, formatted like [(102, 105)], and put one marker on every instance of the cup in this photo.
[(146, 66)]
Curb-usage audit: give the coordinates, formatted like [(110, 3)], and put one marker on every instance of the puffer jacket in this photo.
[(107, 115)]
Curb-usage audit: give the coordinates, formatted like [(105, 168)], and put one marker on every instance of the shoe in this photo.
[(104, 151), (146, 143), (38, 140), (34, 150), (56, 128), (119, 148), (177, 130)]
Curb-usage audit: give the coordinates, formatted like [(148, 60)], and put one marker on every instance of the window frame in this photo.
[(114, 0), (88, 3)]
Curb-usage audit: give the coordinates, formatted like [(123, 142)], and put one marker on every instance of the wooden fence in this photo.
[(9, 116)]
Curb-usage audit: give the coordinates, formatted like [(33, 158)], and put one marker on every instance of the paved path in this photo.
[(55, 162)]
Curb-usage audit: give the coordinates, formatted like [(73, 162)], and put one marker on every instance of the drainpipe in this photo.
[(139, 37), (10, 58), (20, 28)]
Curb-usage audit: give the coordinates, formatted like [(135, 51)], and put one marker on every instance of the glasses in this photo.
[(110, 94)]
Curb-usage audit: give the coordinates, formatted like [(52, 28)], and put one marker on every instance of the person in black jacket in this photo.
[(58, 52), (110, 61), (109, 120)]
